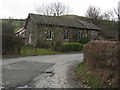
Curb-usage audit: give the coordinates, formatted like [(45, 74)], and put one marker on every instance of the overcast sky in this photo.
[(21, 8)]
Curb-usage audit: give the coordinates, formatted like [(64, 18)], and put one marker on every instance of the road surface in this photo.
[(45, 71)]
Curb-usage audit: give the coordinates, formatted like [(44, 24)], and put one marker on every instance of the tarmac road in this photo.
[(45, 71)]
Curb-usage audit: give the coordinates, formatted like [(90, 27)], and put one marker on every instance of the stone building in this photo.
[(109, 35), (47, 30)]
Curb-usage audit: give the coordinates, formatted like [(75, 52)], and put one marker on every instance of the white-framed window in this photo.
[(86, 35), (29, 40), (49, 34), (80, 34), (66, 35)]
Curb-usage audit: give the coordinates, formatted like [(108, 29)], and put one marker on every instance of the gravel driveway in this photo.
[(45, 71)]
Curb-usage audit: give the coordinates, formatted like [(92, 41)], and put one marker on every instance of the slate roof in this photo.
[(110, 33), (65, 20)]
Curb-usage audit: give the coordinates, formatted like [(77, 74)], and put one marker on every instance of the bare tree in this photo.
[(119, 10), (119, 22), (93, 13), (55, 8), (109, 15), (116, 10), (59, 8), (43, 9)]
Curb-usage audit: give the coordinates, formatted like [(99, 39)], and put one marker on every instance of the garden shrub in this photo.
[(57, 45), (101, 58), (11, 44), (42, 44), (7, 27), (71, 47), (84, 40)]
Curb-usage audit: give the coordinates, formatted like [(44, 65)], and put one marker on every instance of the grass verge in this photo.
[(31, 50), (87, 78)]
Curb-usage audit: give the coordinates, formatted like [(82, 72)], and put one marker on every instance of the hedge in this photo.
[(101, 58), (71, 47), (84, 40)]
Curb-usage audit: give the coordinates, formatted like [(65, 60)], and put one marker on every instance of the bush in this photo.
[(11, 44), (101, 58), (71, 47), (84, 40), (7, 28), (42, 44), (57, 45)]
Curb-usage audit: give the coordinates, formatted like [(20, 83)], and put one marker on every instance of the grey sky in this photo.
[(21, 8)]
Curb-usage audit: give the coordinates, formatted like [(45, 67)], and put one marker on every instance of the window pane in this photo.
[(49, 34), (80, 34), (66, 34)]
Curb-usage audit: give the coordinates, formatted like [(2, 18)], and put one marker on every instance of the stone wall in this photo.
[(31, 28), (38, 33)]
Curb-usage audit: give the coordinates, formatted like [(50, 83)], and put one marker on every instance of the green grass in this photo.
[(92, 81), (16, 29), (31, 50)]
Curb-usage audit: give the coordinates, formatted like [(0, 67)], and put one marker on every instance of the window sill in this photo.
[(66, 39), (49, 39)]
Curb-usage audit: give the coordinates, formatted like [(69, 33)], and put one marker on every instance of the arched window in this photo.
[(80, 34), (66, 34), (30, 39), (49, 34)]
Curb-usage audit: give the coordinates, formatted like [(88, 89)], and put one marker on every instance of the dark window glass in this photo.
[(66, 34), (80, 34), (49, 34)]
